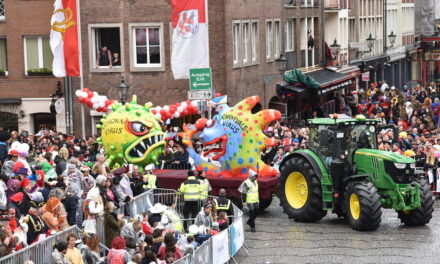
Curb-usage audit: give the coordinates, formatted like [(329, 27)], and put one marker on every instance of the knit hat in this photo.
[(17, 197), (22, 170), (46, 166), (101, 179), (25, 182)]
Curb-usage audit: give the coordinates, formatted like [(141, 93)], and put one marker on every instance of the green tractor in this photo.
[(343, 171)]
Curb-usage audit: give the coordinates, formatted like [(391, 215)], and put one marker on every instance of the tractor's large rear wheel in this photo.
[(363, 207), (300, 191), (423, 214)]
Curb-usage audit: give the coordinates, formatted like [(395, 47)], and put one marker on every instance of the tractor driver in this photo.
[(364, 141)]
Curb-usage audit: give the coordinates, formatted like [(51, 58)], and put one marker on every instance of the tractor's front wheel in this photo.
[(423, 214), (300, 191), (363, 207)]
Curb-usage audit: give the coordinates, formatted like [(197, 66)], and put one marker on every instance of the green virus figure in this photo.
[(131, 134)]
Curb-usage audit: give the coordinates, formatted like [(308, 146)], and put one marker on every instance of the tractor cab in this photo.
[(339, 138)]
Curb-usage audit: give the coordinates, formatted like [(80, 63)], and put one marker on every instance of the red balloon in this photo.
[(108, 102), (172, 109), (85, 89), (218, 94), (163, 112), (80, 100), (184, 112), (177, 104), (89, 104), (201, 123)]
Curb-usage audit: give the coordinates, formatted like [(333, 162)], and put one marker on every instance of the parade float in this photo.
[(232, 140)]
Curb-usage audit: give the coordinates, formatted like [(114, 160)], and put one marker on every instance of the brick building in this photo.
[(24, 47)]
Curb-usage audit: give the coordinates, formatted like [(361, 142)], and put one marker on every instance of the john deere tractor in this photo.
[(342, 171)]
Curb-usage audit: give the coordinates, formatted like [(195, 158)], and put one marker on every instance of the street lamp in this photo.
[(335, 49), (370, 42), (282, 63), (56, 106), (122, 89), (392, 38)]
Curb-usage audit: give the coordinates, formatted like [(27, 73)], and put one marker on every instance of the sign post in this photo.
[(200, 86)]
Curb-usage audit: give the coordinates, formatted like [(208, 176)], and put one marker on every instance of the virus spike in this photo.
[(102, 120), (270, 115), (113, 147), (120, 155), (134, 99), (148, 106), (112, 157), (99, 126), (271, 142), (115, 106), (99, 139), (138, 113), (249, 102), (127, 106), (104, 116)]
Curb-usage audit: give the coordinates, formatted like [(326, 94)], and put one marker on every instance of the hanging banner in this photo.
[(237, 237), (190, 42), (220, 247)]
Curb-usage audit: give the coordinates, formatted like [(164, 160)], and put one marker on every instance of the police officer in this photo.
[(249, 191), (173, 217), (223, 204), (190, 189), (151, 180), (205, 186)]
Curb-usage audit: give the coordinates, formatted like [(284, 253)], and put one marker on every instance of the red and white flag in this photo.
[(64, 39), (190, 47)]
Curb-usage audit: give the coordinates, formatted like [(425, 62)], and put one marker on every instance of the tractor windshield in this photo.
[(363, 135)]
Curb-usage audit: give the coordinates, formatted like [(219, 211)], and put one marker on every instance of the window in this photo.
[(147, 47), (290, 35), (236, 40), (105, 48), (255, 43), (37, 53), (246, 44), (277, 40), (269, 40), (3, 61), (2, 10)]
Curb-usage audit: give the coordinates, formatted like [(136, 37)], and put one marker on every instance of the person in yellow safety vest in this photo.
[(174, 221), (249, 191), (149, 181), (190, 189), (205, 186), (223, 204)]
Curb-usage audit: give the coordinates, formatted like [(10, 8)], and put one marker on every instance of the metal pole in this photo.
[(67, 102), (70, 106), (324, 59), (81, 84)]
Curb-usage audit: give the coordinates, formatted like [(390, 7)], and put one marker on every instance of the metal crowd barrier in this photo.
[(40, 252)]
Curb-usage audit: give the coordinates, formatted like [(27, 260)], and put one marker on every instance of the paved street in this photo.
[(280, 240)]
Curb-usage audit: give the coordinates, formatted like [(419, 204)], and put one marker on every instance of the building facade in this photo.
[(26, 82)]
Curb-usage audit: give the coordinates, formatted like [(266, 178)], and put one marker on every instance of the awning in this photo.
[(290, 89), (331, 81), (10, 101)]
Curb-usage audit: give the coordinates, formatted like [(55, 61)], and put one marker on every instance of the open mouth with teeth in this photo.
[(215, 148), (142, 147)]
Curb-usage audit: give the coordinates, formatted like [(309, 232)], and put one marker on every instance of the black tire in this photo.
[(312, 209), (423, 214), (265, 203), (370, 213)]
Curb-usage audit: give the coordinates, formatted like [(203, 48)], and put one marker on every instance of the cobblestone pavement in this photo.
[(280, 240)]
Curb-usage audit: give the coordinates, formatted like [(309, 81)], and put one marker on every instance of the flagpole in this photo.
[(81, 78), (207, 41)]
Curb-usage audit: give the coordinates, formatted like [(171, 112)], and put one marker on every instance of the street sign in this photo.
[(365, 76), (200, 95), (200, 79)]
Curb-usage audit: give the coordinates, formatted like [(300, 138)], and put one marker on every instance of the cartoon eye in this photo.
[(137, 128), (210, 123)]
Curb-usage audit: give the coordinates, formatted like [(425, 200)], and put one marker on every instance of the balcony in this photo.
[(336, 4)]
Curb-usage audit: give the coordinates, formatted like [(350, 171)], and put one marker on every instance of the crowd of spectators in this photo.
[(50, 181)]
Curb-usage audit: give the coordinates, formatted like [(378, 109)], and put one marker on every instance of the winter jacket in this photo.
[(58, 258), (203, 219), (89, 256), (112, 227), (118, 256), (8, 168), (70, 203), (3, 152), (130, 235)]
